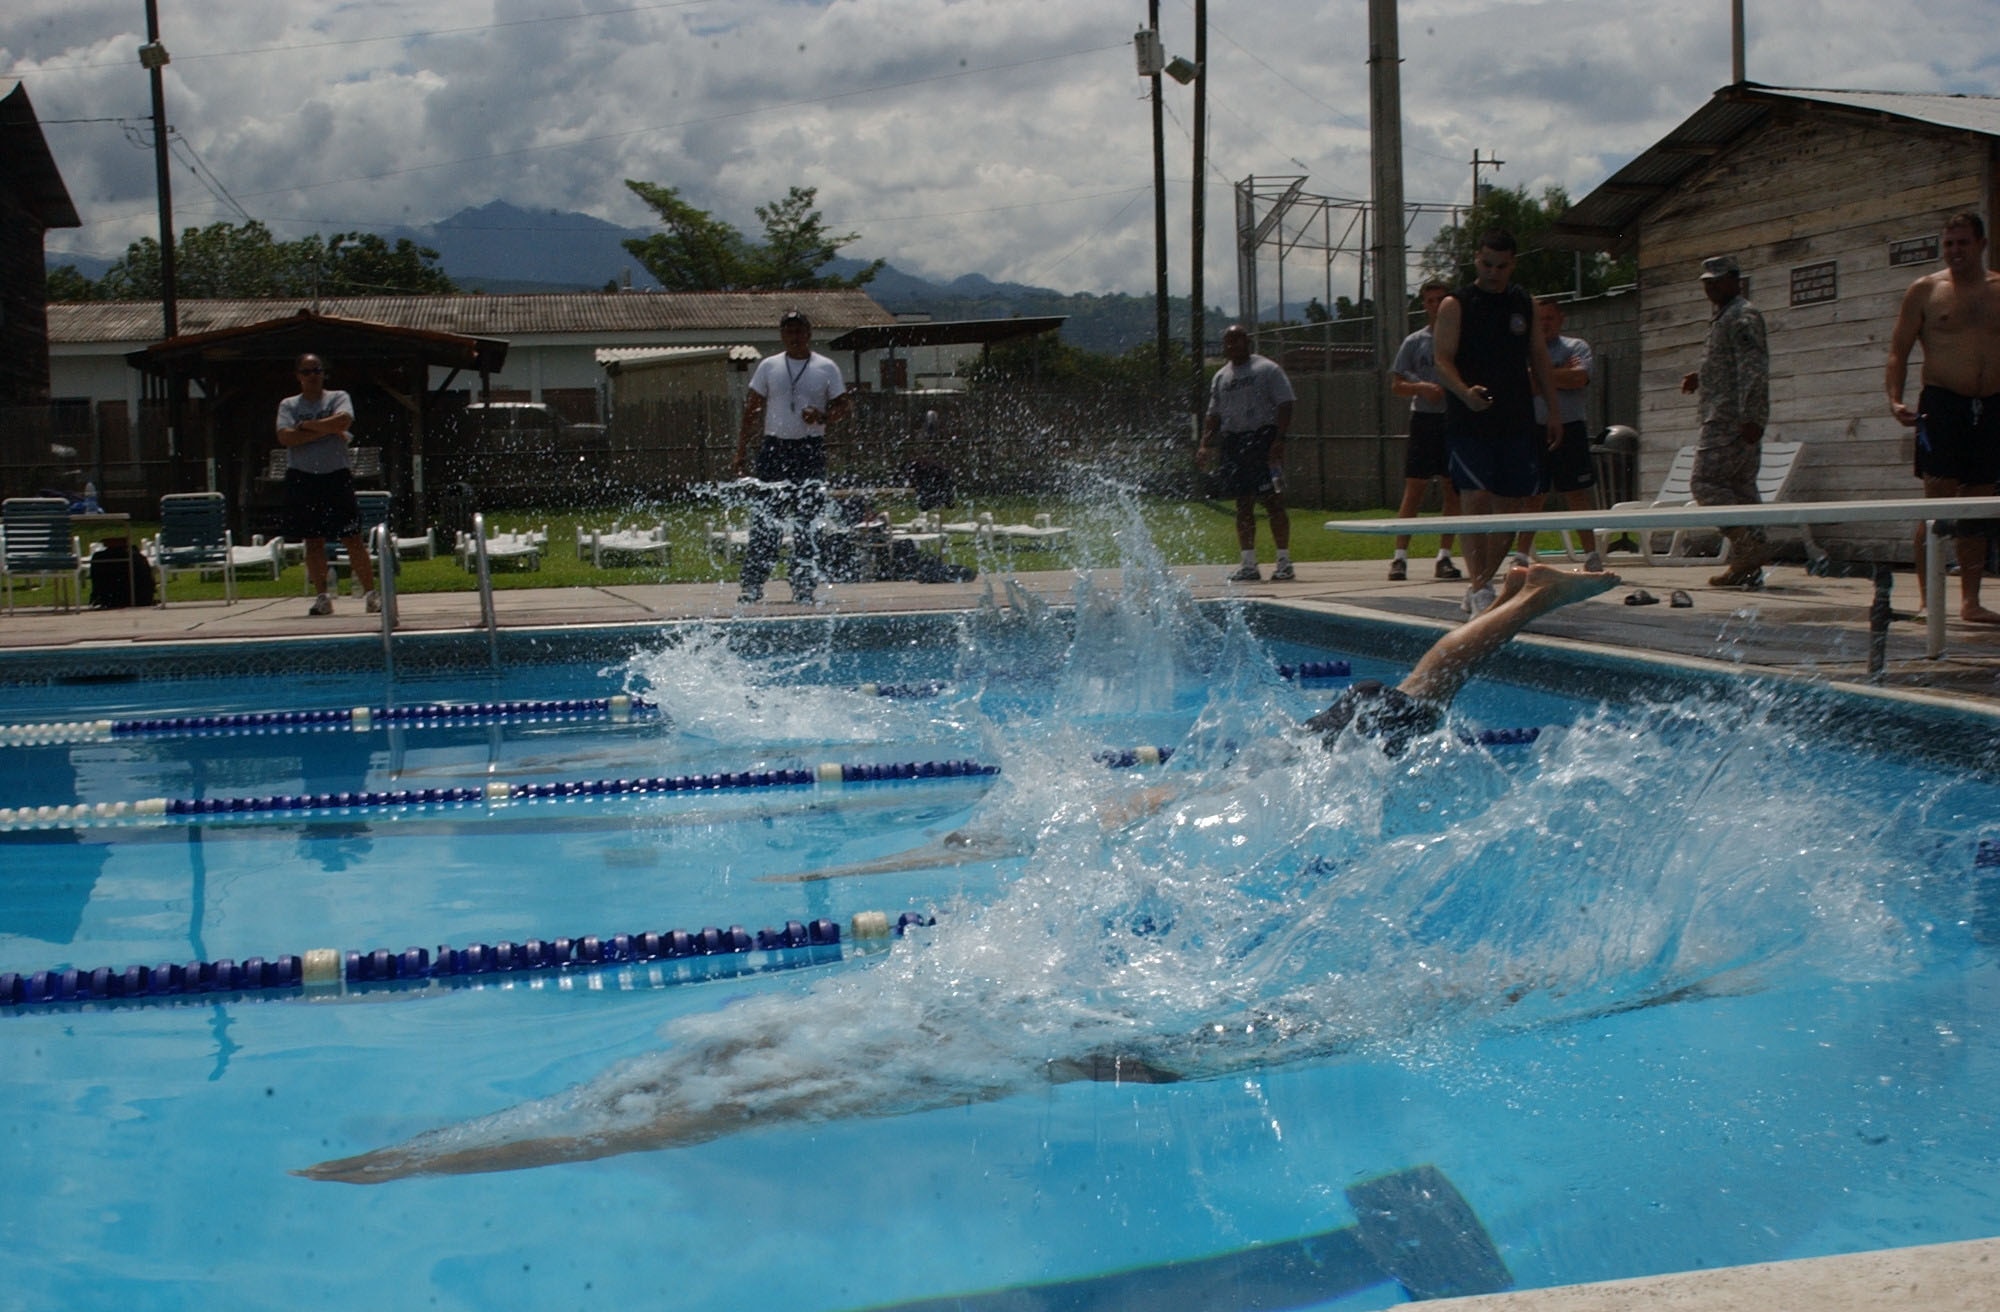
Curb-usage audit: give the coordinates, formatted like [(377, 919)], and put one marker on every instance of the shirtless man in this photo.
[(1955, 313)]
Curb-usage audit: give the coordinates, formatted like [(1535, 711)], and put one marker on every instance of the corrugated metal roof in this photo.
[(577, 313), (1607, 219)]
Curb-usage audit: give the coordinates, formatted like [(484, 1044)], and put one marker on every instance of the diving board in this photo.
[(1928, 509)]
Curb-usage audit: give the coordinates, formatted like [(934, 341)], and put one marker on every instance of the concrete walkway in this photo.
[(1797, 625)]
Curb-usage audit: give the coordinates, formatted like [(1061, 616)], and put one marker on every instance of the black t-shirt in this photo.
[(1495, 344)]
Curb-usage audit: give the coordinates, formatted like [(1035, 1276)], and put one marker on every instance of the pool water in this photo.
[(1684, 982)]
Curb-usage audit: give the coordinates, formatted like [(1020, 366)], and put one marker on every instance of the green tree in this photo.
[(221, 260), (243, 261), (1540, 268), (364, 264), (699, 252), (67, 283)]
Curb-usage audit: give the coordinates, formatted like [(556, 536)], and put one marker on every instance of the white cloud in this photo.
[(1007, 137)]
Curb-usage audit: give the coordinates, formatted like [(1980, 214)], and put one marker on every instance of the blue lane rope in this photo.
[(830, 774), (1316, 670), (322, 972), (620, 708)]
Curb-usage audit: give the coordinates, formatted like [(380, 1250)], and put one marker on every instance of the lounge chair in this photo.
[(1774, 476), (259, 555), (595, 544), (1042, 535), (194, 539), (524, 549), (36, 543), (727, 541)]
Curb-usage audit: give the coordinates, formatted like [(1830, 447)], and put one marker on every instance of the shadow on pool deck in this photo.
[(1798, 624)]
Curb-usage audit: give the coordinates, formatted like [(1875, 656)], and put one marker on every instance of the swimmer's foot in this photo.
[(1549, 587)]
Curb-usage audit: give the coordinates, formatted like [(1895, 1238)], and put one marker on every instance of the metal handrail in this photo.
[(486, 613), (384, 543)]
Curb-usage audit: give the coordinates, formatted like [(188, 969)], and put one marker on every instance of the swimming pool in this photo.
[(1700, 976)]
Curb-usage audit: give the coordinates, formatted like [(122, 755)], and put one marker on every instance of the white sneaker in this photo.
[(1479, 601), (372, 600), (1247, 574), (322, 604)]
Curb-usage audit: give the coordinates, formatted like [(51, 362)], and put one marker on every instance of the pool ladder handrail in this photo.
[(485, 572), (383, 543)]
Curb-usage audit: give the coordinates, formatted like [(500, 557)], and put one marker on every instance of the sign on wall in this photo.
[(1816, 284), (1913, 250)]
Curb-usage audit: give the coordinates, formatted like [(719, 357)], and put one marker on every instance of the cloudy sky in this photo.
[(1005, 137)]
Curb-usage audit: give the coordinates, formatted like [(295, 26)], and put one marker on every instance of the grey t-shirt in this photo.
[(1416, 360), (329, 453)]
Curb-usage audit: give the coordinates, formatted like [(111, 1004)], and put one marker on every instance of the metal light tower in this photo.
[(1151, 58)]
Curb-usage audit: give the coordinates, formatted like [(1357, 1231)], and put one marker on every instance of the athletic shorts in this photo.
[(321, 505), (1424, 457), (1245, 467), (1505, 465), (1568, 468), (1958, 437), (1388, 715)]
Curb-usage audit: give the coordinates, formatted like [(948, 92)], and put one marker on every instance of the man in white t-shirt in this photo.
[(313, 427), (1249, 413), (793, 396)]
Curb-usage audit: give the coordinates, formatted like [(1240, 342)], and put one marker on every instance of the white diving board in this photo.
[(1928, 509)]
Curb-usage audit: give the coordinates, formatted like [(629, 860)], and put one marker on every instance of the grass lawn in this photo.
[(1185, 532)]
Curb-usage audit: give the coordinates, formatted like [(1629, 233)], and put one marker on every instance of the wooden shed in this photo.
[(244, 372), (1833, 201), (32, 200)]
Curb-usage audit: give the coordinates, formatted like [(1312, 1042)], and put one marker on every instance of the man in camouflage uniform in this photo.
[(1735, 386)]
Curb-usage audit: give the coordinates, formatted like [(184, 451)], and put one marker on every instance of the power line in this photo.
[(423, 35)]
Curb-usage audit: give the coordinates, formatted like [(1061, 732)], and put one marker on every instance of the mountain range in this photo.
[(501, 248)]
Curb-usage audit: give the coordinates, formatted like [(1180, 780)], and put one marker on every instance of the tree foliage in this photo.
[(1540, 268), (1045, 358), (698, 252), (244, 261)]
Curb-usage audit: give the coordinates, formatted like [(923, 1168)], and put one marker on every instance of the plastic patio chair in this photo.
[(35, 543), (194, 539)]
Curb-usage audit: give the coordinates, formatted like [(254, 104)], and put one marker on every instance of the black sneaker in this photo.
[(1399, 570), (1446, 570), (750, 595), (1283, 573)]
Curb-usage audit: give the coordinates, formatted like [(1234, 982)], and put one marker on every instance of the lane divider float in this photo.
[(684, 956)]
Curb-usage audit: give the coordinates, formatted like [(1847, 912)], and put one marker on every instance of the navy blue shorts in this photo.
[(1506, 466), (1568, 467), (1425, 456), (1388, 715)]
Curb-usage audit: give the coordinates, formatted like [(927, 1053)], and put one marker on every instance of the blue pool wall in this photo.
[(1960, 734)]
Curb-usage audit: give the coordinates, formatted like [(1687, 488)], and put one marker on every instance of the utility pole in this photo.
[(1388, 251), (1737, 74), (1478, 188), (153, 58), (1197, 336), (1159, 195)]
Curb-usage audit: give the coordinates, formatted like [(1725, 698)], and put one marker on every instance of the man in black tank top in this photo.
[(1492, 362)]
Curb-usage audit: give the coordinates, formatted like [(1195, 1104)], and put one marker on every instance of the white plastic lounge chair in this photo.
[(728, 541), (259, 555), (194, 539), (1042, 535), (1774, 477), (595, 544), (524, 549), (35, 543)]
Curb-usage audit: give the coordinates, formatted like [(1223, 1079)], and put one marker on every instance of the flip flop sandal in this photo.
[(1641, 597), (1679, 600)]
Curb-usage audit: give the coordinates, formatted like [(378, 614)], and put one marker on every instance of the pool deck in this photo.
[(1797, 625)]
